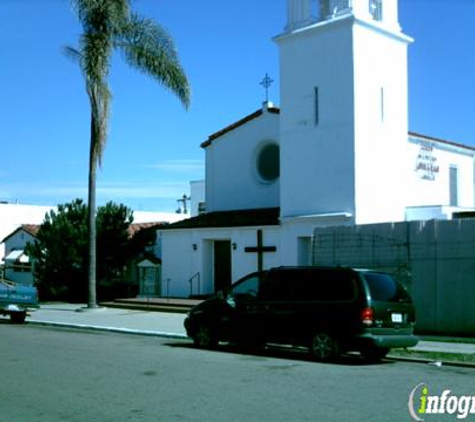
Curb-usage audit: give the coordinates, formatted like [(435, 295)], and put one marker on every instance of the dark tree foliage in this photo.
[(59, 253), (61, 249), (113, 250)]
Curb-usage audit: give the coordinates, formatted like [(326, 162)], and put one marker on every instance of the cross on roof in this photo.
[(266, 83)]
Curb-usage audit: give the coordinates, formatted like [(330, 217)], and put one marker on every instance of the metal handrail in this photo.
[(196, 276), (167, 280)]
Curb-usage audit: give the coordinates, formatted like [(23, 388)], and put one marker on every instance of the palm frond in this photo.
[(99, 97), (149, 48), (102, 15), (96, 53), (72, 53)]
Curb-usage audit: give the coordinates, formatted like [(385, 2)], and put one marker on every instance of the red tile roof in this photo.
[(276, 110), (442, 141), (235, 218), (260, 112), (133, 229), (31, 229), (136, 227)]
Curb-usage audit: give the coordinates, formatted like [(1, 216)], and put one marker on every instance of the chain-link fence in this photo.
[(434, 259)]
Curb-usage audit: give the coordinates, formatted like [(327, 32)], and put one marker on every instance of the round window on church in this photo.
[(268, 163)]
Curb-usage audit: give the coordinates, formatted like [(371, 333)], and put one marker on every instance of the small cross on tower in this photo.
[(266, 83)]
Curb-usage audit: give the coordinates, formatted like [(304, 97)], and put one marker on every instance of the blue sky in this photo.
[(225, 47)]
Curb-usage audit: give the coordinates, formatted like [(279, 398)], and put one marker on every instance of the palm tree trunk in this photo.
[(91, 219)]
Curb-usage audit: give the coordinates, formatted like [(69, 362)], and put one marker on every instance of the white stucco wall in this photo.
[(197, 195), (342, 151), (317, 157), (381, 123), (13, 216), (232, 180), (17, 241), (181, 260), (429, 188)]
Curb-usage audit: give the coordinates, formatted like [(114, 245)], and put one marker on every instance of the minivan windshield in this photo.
[(384, 288)]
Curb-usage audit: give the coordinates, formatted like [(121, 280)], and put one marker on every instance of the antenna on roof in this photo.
[(182, 204)]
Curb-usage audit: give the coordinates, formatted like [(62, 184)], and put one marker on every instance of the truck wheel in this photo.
[(205, 337), (18, 317), (324, 347)]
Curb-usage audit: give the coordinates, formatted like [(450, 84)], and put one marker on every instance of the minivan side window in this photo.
[(309, 285), (247, 288), (278, 286), (326, 285)]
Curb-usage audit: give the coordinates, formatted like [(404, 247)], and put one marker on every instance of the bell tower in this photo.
[(343, 129)]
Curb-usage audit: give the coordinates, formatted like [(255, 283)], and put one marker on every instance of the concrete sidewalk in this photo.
[(159, 324), (162, 324)]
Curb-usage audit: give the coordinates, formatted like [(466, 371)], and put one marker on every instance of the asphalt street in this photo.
[(57, 374)]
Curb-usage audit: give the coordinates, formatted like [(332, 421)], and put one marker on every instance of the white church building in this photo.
[(337, 151)]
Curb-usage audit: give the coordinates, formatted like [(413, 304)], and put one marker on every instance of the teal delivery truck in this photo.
[(16, 300)]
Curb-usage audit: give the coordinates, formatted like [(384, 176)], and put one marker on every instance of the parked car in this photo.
[(16, 300), (330, 310)]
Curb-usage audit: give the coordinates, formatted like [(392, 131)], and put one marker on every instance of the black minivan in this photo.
[(330, 310)]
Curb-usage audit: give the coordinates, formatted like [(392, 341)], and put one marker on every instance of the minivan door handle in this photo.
[(251, 308)]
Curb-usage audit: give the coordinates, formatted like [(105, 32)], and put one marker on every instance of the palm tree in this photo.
[(110, 25)]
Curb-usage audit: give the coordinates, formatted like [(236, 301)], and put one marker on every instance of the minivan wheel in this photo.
[(374, 354), (205, 337), (324, 347)]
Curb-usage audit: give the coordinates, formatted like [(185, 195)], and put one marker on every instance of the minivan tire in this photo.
[(374, 353), (324, 347), (205, 337)]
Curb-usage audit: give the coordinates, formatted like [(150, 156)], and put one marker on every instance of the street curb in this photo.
[(431, 362), (177, 336), (148, 333)]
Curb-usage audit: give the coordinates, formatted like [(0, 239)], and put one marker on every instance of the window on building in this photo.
[(268, 162), (453, 188), (376, 9), (21, 267), (317, 106)]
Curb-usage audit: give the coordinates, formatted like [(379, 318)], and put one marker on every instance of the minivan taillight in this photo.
[(367, 316)]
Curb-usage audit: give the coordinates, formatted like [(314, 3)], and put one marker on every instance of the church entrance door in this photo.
[(222, 264)]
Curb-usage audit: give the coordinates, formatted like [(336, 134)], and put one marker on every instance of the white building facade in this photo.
[(337, 152), (17, 264), (13, 216)]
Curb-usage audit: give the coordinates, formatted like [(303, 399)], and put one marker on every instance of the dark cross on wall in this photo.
[(260, 249)]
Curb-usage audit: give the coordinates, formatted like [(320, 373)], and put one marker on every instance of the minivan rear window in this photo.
[(384, 288)]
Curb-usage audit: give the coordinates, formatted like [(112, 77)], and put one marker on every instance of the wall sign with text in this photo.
[(426, 163)]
